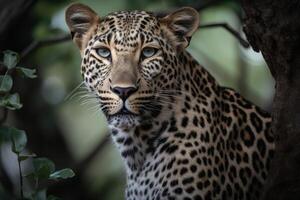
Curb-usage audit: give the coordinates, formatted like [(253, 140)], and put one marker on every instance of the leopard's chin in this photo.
[(125, 121)]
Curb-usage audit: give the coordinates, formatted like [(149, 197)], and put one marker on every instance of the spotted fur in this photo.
[(182, 137)]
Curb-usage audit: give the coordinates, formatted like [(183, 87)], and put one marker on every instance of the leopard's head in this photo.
[(129, 58)]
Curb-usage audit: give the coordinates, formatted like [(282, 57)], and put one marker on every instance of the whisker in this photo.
[(69, 96), (98, 110), (90, 109), (87, 97), (87, 102), (150, 108)]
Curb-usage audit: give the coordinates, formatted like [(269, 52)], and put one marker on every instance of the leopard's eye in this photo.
[(103, 52), (148, 52)]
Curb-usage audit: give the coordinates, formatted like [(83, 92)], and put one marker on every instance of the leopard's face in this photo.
[(127, 59), (121, 64)]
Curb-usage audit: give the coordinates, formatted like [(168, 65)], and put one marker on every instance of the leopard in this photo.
[(180, 134)]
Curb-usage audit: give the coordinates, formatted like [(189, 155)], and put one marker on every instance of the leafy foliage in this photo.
[(10, 59), (6, 83), (62, 174), (43, 168), (25, 72), (11, 101), (18, 139)]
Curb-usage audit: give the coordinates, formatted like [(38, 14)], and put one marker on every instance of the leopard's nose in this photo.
[(123, 92)]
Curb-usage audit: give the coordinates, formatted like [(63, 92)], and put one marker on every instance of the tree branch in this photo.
[(48, 41), (200, 5), (236, 34)]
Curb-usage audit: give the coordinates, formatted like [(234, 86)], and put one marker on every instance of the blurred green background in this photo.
[(72, 134)]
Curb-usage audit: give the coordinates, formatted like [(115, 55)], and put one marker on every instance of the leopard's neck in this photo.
[(138, 143)]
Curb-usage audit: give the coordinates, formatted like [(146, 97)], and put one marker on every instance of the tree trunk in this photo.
[(273, 27)]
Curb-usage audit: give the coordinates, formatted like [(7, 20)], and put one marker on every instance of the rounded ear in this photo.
[(81, 20), (182, 24)]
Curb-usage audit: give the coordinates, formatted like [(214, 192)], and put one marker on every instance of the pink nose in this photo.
[(123, 92)]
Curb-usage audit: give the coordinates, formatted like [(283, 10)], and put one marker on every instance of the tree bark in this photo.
[(273, 27)]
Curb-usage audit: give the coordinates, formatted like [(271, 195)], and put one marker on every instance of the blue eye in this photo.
[(148, 52), (103, 52)]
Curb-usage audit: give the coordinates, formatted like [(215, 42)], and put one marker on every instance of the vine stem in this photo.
[(21, 177)]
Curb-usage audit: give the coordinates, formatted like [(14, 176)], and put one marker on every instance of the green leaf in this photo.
[(62, 174), (10, 59), (25, 157), (43, 167), (6, 83), (19, 140), (51, 197), (11, 101), (29, 73)]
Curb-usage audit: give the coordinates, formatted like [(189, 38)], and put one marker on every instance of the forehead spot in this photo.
[(130, 22), (128, 29)]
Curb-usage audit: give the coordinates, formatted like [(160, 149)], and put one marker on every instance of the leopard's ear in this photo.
[(181, 24), (82, 22)]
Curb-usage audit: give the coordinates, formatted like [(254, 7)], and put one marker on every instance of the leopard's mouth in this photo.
[(124, 113), (124, 119)]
